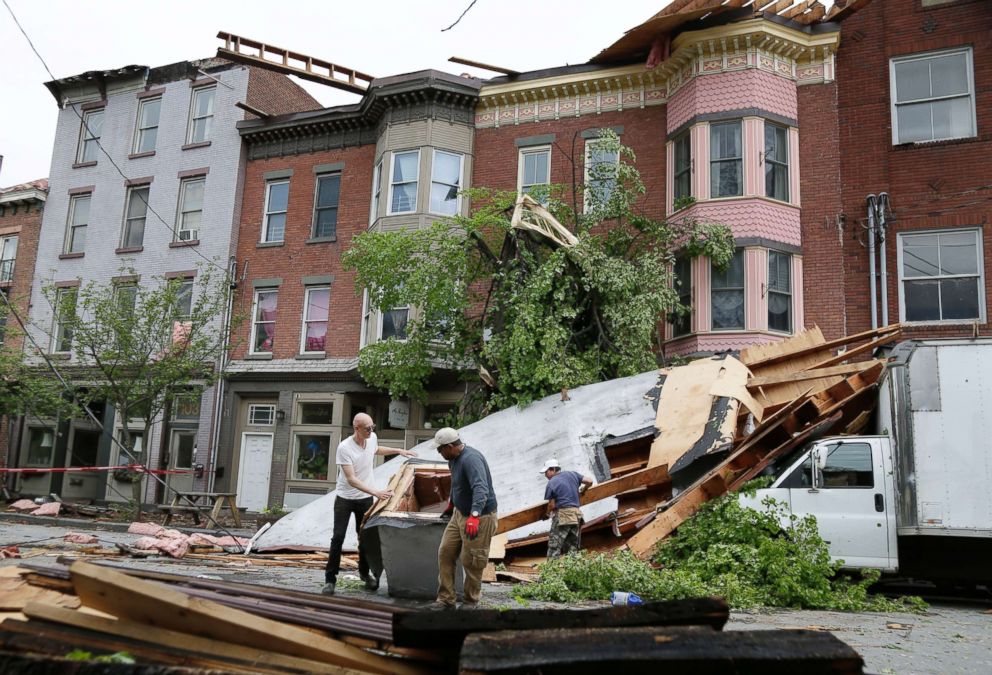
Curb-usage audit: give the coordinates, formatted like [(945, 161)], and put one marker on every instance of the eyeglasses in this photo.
[(370, 427)]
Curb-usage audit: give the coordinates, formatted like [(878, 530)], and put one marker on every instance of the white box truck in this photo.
[(917, 497)]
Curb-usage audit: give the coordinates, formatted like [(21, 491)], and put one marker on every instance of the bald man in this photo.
[(356, 491)]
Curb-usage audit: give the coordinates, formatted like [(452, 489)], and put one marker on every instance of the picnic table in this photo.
[(201, 502)]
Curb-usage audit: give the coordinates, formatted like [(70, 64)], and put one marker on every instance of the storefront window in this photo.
[(311, 456)]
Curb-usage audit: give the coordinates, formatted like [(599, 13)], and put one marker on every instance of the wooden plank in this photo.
[(594, 651), (839, 342), (170, 639), (817, 419), (868, 346), (803, 375), (57, 640), (158, 605), (448, 629), (531, 514)]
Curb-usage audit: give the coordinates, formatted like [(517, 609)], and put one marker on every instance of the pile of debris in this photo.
[(203, 625), (719, 422)]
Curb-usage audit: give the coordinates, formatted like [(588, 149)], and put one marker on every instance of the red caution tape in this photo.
[(138, 468)]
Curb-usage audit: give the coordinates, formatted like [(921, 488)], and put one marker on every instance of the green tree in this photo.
[(137, 345), (529, 304)]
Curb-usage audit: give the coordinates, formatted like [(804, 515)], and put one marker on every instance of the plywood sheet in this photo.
[(685, 407)]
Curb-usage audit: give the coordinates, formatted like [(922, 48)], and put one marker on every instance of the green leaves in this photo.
[(738, 553)]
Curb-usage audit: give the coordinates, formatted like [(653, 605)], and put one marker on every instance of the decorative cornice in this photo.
[(803, 57)]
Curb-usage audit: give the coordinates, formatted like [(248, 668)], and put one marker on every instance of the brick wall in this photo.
[(23, 220), (824, 283), (643, 131), (276, 94), (937, 185), (296, 258)]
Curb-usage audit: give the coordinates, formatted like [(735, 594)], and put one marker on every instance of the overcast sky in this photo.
[(379, 37)]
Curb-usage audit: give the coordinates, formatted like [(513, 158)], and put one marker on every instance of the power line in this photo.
[(96, 139)]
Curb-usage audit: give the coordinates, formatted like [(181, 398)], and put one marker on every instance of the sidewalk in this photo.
[(110, 525)]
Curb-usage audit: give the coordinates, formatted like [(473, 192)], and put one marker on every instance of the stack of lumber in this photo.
[(720, 422), (172, 624)]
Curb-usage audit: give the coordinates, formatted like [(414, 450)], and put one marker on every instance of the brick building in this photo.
[(914, 111), (313, 181), (21, 207), (147, 172)]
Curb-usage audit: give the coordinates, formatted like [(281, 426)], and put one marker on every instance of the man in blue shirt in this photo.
[(472, 509), (562, 494)]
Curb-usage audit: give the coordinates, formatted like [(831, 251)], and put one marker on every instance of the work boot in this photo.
[(439, 606), (328, 588), (371, 583), (469, 605)]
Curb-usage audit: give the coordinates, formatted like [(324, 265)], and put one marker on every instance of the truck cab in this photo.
[(848, 484)]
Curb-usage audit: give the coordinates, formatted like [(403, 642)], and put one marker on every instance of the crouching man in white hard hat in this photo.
[(562, 494)]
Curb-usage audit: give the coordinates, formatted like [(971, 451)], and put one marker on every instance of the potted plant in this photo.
[(270, 514)]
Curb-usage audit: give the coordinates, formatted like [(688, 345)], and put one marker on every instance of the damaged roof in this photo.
[(680, 15)]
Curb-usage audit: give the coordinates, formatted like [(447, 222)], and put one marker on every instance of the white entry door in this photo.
[(254, 470)]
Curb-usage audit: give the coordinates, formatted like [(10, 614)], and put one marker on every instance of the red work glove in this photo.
[(472, 527), (446, 514)]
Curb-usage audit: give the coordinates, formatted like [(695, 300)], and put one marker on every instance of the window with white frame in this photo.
[(393, 323), (367, 336), (325, 206), (727, 294), (941, 276), (682, 182), (146, 129), (190, 208), (89, 136), (779, 292), (261, 414), (201, 114), (446, 181), (933, 96), (276, 205), (534, 172), (184, 299), (403, 182), (79, 219), (682, 278), (135, 214), (376, 191), (726, 160), (600, 174), (263, 325), (127, 298), (776, 160), (65, 313), (8, 256), (315, 309)]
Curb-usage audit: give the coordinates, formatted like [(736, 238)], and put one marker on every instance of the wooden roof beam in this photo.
[(484, 66), (309, 67)]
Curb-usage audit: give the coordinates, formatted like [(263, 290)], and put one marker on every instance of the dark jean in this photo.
[(343, 510)]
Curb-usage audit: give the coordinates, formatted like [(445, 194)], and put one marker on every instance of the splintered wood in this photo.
[(805, 393)]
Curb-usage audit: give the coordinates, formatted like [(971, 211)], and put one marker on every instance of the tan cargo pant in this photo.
[(474, 555)]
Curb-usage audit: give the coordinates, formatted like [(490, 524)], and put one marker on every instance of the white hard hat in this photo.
[(550, 464)]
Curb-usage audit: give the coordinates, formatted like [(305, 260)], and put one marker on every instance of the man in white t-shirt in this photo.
[(355, 457)]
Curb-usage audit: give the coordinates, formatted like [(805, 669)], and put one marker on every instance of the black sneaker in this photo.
[(371, 583), (328, 588)]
